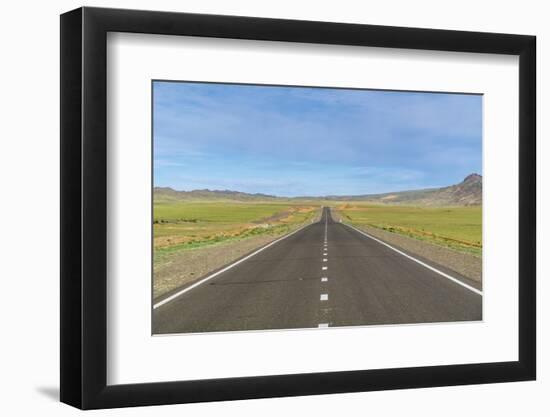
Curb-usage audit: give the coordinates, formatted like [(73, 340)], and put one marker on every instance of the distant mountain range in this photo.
[(167, 193), (466, 193)]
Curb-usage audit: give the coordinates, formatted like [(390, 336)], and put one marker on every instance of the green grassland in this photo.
[(182, 225), (458, 228)]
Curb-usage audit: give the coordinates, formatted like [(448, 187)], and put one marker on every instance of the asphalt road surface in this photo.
[(326, 274)]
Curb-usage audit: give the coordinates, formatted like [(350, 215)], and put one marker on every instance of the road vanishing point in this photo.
[(326, 274)]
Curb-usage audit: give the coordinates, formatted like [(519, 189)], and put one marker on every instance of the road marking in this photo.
[(323, 325), (325, 259), (431, 268), (215, 274), (324, 279), (326, 225), (324, 297), (325, 268)]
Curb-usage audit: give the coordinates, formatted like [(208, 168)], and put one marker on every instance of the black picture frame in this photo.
[(84, 207)]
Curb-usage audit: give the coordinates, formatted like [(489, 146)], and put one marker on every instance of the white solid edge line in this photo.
[(176, 295), (431, 268)]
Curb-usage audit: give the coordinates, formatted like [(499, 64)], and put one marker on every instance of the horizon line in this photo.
[(315, 196)]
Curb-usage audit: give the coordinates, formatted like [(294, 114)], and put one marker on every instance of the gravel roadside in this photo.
[(465, 264), (185, 266)]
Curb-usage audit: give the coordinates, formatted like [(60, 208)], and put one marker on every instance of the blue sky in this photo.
[(291, 141)]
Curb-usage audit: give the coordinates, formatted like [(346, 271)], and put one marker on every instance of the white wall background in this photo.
[(29, 100)]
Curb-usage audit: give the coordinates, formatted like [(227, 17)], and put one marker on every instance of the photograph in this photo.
[(295, 207)]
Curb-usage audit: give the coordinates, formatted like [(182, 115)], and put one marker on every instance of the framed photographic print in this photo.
[(259, 207)]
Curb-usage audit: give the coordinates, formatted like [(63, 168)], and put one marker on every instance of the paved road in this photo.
[(325, 275)]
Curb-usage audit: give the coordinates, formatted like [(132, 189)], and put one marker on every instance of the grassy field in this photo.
[(181, 225), (456, 227)]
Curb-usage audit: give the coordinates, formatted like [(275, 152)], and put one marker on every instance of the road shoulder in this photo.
[(461, 265)]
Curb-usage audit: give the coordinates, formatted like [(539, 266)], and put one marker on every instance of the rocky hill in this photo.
[(466, 193)]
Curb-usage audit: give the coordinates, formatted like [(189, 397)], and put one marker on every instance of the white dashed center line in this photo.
[(326, 224), (324, 297)]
